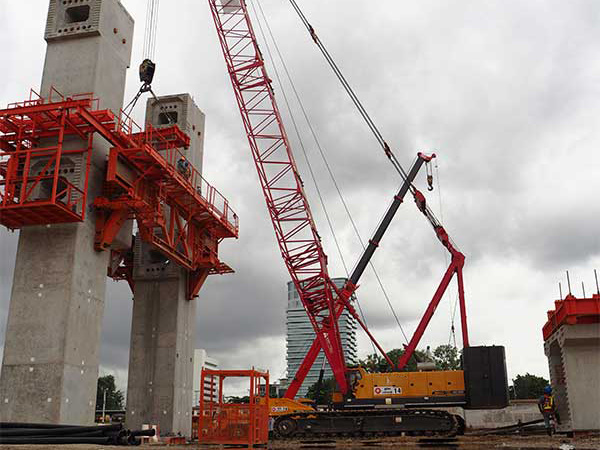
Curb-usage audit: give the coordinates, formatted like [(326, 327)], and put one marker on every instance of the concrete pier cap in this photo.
[(573, 353), (572, 345)]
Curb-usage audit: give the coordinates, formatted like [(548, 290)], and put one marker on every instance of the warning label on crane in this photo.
[(387, 390), (278, 409)]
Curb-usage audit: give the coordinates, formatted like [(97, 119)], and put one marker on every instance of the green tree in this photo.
[(114, 397), (529, 386), (446, 357), (323, 396), (377, 363)]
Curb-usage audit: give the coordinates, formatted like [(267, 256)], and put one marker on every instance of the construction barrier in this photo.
[(233, 423)]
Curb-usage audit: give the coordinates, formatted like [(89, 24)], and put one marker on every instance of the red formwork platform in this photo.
[(572, 311), (176, 210), (36, 186), (225, 423), (148, 179)]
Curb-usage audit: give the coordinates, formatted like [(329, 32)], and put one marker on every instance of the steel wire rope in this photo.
[(154, 31), (147, 25), (441, 208), (327, 165), (149, 50), (150, 30), (453, 317), (300, 140), (363, 112)]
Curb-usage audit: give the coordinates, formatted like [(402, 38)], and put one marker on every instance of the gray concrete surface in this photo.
[(160, 389), (51, 354), (573, 353), (181, 109), (519, 410), (463, 442)]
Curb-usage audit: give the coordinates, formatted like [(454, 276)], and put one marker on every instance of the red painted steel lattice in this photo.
[(177, 211), (233, 423), (572, 311), (37, 154), (299, 241)]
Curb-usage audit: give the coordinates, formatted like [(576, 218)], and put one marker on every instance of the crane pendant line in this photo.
[(297, 236), (345, 293)]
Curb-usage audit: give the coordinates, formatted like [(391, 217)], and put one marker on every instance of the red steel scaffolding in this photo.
[(226, 423), (45, 157)]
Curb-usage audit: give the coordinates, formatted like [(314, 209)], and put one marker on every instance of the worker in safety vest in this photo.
[(183, 166), (548, 408)]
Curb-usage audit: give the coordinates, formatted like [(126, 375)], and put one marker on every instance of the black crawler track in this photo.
[(368, 423)]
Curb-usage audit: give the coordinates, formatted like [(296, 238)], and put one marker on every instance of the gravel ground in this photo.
[(465, 442)]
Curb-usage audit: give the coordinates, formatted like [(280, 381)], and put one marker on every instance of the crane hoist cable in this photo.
[(150, 30), (324, 157), (435, 223), (419, 198), (452, 336), (299, 136), (147, 68), (361, 109)]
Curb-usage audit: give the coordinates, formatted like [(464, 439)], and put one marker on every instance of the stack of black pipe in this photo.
[(46, 434)]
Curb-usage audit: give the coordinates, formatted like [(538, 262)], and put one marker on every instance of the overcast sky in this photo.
[(507, 93)]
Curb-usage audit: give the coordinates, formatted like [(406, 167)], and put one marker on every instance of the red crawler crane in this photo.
[(359, 394), (288, 207)]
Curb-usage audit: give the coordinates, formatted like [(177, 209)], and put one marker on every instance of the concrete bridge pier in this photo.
[(163, 329), (51, 353)]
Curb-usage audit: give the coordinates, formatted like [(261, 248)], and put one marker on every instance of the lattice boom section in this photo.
[(572, 311), (290, 213)]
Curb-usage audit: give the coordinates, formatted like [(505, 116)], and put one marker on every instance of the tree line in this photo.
[(445, 357)]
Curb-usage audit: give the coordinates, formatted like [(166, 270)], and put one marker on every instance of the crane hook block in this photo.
[(429, 174), (430, 182), (147, 69)]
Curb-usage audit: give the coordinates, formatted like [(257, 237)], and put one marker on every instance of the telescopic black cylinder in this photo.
[(385, 223)]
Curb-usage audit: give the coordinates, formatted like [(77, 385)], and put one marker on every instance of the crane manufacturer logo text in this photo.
[(387, 390)]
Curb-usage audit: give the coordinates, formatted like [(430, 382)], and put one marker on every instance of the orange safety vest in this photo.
[(548, 404)]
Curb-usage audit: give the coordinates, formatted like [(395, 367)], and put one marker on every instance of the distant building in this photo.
[(202, 360), (281, 386), (300, 336)]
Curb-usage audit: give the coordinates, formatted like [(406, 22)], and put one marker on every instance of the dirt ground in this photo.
[(464, 442)]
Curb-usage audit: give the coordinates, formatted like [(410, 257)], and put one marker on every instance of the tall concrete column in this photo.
[(51, 353), (160, 387), (573, 353)]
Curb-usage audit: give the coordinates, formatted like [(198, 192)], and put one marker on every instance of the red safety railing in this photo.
[(167, 143), (572, 311), (233, 423), (41, 180)]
